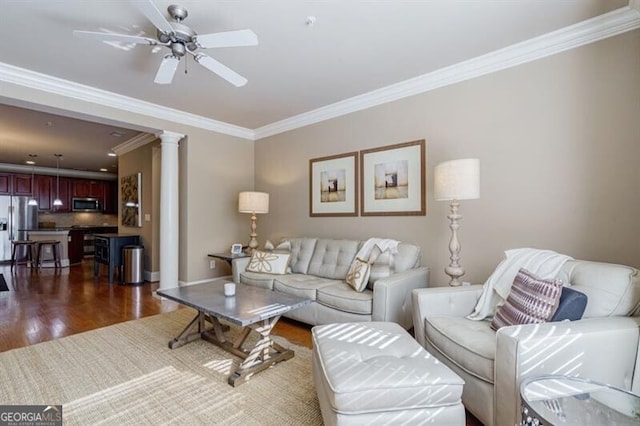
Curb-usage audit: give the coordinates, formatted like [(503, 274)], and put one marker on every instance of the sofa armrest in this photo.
[(392, 295), (442, 301), (602, 349), (238, 265)]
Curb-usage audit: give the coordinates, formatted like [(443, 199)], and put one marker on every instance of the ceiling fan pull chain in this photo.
[(185, 64)]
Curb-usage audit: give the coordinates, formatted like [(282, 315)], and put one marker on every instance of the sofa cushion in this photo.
[(301, 252), (342, 297), (611, 289), (332, 258), (572, 305), (257, 279), (471, 345), (531, 300), (301, 285), (358, 274), (268, 263)]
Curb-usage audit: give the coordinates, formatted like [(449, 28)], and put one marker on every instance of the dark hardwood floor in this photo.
[(53, 303)]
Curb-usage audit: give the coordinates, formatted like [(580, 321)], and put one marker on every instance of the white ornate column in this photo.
[(169, 209)]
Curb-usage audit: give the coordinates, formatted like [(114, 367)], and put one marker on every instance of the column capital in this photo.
[(169, 137)]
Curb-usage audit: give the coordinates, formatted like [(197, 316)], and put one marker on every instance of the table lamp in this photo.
[(254, 203), (456, 180)]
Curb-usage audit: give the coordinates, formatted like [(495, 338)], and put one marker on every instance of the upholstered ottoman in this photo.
[(375, 373)]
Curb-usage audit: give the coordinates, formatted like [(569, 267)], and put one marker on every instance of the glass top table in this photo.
[(254, 309), (564, 400)]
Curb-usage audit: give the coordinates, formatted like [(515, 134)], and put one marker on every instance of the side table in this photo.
[(227, 257), (565, 400)]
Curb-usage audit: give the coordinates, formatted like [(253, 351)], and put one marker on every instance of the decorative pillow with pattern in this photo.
[(358, 274), (268, 263), (531, 300)]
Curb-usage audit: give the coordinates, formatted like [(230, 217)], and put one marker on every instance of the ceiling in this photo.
[(353, 48)]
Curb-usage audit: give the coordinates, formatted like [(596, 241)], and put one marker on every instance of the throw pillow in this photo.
[(531, 300), (284, 246), (268, 263), (268, 246), (358, 274), (572, 305)]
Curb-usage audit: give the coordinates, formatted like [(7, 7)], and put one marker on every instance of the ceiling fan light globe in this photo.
[(178, 49), (163, 38)]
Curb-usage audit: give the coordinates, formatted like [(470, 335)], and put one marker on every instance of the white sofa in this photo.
[(318, 270), (603, 345)]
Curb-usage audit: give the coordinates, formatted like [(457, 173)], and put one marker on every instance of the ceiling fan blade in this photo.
[(227, 39), (154, 15), (115, 37), (227, 73), (167, 69)]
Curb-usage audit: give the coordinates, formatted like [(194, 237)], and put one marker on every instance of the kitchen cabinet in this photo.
[(110, 204), (5, 184), (88, 188), (76, 246), (22, 185), (64, 195), (42, 190)]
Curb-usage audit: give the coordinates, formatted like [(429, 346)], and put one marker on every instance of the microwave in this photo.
[(85, 205)]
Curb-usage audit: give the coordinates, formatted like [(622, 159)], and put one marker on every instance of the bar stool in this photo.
[(30, 245), (55, 250)]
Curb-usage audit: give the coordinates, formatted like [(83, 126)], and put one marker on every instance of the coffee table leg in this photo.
[(264, 353), (187, 335)]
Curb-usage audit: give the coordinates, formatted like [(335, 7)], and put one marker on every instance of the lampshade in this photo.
[(457, 180), (253, 202)]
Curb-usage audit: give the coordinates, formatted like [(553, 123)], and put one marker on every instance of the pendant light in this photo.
[(58, 201), (32, 200)]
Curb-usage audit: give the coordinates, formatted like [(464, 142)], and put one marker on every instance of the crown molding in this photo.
[(19, 168), (35, 80), (607, 25), (134, 143)]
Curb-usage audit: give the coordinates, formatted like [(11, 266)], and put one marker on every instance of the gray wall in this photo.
[(559, 144)]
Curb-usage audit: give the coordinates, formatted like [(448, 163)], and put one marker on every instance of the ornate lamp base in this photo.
[(454, 270)]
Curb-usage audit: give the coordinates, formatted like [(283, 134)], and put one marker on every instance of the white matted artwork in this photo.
[(393, 180), (333, 185), (131, 188)]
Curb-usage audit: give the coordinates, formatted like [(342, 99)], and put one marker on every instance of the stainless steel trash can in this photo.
[(132, 262)]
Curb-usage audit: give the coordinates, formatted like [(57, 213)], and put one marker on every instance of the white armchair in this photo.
[(604, 345)]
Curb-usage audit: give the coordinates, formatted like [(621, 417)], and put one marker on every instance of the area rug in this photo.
[(126, 374), (3, 284)]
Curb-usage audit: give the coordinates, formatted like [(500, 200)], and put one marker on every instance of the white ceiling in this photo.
[(355, 47)]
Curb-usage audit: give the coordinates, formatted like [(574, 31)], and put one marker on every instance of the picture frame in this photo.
[(333, 185), (236, 249), (393, 180), (131, 190)]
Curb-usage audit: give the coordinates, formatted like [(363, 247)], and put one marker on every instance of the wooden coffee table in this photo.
[(252, 308)]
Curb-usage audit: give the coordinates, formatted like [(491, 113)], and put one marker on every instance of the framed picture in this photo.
[(393, 180), (333, 185), (236, 249), (131, 188)]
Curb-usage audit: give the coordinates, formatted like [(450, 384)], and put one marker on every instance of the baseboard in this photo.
[(151, 276)]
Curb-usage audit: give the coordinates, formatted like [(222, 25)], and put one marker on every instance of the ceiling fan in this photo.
[(181, 40)]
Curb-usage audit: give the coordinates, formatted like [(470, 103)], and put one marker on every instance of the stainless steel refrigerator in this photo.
[(15, 217)]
